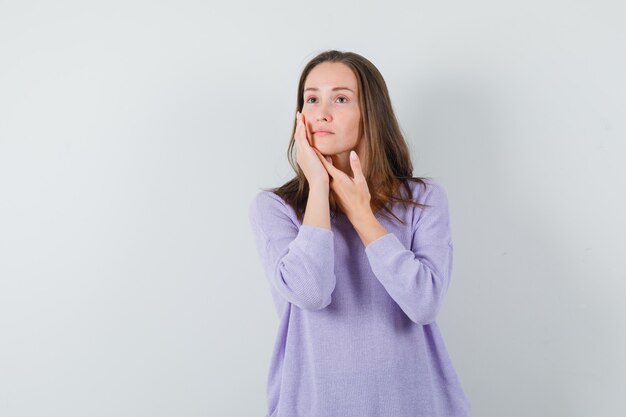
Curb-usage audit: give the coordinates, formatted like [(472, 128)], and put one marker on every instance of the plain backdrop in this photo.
[(134, 134)]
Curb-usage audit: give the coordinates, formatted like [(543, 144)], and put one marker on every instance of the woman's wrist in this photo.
[(317, 211), (319, 186)]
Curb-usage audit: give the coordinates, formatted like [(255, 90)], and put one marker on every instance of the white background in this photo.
[(133, 136)]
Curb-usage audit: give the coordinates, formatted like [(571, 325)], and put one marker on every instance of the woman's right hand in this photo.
[(306, 157)]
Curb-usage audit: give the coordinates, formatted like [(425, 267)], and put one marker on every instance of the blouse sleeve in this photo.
[(417, 278), (298, 261)]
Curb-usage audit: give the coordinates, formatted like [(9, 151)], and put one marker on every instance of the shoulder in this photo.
[(264, 199), (434, 200), (432, 192), (266, 206)]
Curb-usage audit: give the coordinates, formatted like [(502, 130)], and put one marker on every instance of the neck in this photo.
[(341, 161)]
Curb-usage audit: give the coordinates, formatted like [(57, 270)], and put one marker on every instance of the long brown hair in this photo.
[(387, 161)]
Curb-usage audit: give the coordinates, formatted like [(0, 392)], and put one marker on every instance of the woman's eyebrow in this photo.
[(334, 89)]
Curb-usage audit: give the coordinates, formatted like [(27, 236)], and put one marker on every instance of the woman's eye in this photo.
[(308, 100)]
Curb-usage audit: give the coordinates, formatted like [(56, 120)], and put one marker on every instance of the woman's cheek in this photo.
[(356, 121)]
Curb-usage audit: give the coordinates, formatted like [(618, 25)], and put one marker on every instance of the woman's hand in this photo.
[(307, 156), (351, 194)]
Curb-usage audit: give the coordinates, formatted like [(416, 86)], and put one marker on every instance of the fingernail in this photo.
[(353, 155)]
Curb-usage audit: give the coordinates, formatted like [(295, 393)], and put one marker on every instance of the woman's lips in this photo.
[(322, 133)]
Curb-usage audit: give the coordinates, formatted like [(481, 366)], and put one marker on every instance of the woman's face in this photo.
[(331, 103)]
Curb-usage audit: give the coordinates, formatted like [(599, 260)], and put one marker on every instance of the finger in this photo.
[(332, 171), (304, 128), (323, 159), (355, 164), (297, 135)]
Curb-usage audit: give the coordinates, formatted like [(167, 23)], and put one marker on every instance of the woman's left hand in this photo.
[(351, 194)]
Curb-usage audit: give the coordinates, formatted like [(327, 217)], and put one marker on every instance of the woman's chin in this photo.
[(326, 150)]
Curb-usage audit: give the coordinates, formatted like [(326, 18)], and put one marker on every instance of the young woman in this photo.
[(358, 254)]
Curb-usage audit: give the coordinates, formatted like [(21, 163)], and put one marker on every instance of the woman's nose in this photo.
[(323, 115)]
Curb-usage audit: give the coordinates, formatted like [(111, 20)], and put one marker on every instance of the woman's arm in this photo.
[(317, 212), (417, 278), (299, 262)]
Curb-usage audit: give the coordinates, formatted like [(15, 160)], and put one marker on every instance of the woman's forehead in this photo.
[(331, 76)]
